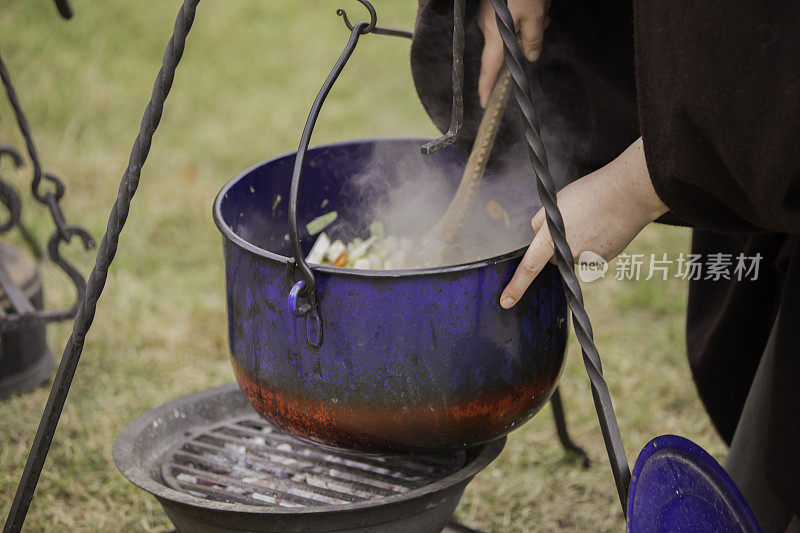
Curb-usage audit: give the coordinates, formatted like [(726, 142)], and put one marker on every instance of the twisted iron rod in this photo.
[(97, 279), (555, 223)]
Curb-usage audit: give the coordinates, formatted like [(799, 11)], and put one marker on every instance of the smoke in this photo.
[(409, 193)]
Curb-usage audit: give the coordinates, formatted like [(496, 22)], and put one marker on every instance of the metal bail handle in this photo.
[(301, 300)]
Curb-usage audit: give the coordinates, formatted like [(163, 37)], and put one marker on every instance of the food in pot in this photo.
[(377, 252), (496, 212), (321, 222)]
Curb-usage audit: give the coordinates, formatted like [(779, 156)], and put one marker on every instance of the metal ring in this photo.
[(295, 299)]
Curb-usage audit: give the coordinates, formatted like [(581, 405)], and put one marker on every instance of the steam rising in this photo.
[(409, 193)]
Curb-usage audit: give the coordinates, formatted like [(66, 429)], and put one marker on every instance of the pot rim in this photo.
[(229, 234)]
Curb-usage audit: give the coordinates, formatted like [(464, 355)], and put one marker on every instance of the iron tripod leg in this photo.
[(561, 429)]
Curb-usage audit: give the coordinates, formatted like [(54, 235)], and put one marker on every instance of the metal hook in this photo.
[(373, 17), (12, 153), (372, 27), (86, 238), (54, 253), (13, 203), (457, 113), (307, 290), (6, 150)]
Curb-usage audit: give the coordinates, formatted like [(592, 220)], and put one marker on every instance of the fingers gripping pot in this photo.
[(384, 361)]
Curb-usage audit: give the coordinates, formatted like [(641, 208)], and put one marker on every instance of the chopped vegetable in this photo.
[(341, 260), (317, 253), (374, 253), (360, 249), (335, 250), (362, 264), (321, 222), (375, 262), (376, 230), (496, 212)]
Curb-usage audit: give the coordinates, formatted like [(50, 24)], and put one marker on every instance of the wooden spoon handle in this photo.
[(455, 218), (433, 247)]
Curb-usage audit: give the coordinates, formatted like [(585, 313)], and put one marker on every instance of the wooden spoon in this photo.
[(439, 243)]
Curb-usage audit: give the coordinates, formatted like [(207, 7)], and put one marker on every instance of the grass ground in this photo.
[(250, 72)]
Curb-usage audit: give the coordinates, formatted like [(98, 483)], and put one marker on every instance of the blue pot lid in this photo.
[(678, 487)]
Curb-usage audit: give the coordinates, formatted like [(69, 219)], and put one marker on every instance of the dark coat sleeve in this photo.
[(584, 86), (719, 102)]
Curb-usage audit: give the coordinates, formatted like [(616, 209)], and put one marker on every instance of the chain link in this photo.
[(52, 197), (49, 190)]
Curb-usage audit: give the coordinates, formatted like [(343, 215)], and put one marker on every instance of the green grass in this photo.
[(242, 92)]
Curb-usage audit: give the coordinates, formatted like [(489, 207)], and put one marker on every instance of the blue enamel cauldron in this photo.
[(386, 361)]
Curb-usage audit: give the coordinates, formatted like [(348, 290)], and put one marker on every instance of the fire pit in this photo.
[(215, 465)]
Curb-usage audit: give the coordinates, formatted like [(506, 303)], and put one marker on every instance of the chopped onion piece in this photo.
[(376, 229), (362, 264), (361, 249), (375, 262), (336, 249), (317, 253)]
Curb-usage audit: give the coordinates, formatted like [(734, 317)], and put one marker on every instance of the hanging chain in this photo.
[(48, 190)]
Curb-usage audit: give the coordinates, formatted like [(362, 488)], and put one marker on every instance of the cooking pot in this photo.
[(387, 361)]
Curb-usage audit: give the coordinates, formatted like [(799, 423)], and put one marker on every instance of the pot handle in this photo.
[(301, 300)]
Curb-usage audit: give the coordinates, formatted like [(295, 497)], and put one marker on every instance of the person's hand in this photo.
[(530, 20), (602, 212)]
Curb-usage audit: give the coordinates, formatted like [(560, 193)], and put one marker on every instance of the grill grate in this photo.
[(247, 461)]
